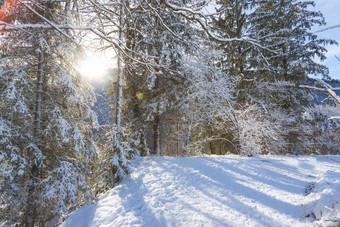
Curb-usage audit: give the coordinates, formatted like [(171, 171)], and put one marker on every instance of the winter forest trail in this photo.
[(212, 191)]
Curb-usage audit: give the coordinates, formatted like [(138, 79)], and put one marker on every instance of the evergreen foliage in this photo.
[(284, 27), (46, 121)]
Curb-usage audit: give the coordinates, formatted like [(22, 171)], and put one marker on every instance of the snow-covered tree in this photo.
[(284, 51), (284, 27), (166, 38), (156, 39), (46, 117), (231, 22), (115, 157)]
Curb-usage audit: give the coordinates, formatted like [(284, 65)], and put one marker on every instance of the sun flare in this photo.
[(93, 68)]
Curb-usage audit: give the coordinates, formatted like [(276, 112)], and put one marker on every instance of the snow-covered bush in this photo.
[(325, 209), (259, 133)]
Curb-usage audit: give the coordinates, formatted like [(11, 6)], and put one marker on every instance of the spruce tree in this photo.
[(266, 68), (284, 27), (49, 129), (231, 23), (291, 48)]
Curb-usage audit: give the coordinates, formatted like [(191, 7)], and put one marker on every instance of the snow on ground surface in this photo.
[(220, 191)]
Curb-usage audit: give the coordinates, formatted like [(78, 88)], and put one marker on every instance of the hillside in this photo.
[(221, 191)]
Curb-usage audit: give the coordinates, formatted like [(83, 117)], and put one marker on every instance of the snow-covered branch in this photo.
[(13, 27), (312, 87), (330, 91), (50, 23), (203, 20), (327, 88), (329, 28)]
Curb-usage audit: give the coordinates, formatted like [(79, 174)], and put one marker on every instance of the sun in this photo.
[(93, 67)]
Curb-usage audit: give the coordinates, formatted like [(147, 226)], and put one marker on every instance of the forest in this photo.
[(187, 77)]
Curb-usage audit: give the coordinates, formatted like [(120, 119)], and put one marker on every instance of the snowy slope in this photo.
[(217, 191)]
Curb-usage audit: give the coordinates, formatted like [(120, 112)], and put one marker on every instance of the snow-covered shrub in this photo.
[(328, 110), (325, 209), (259, 133)]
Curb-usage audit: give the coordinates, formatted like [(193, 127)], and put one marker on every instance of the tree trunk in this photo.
[(30, 216), (156, 122), (143, 148), (177, 145), (120, 74), (38, 102), (156, 134)]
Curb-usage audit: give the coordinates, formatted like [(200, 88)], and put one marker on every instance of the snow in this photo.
[(326, 194), (11, 91), (220, 191)]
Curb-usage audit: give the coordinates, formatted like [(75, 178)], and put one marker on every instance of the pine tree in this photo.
[(284, 28), (49, 128), (231, 23), (171, 38)]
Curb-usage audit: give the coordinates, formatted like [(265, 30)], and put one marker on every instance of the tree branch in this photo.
[(328, 28), (50, 23), (327, 88), (12, 27)]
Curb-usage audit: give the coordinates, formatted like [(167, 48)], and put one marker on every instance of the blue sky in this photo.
[(331, 12)]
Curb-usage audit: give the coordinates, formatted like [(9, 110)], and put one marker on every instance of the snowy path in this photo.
[(210, 191)]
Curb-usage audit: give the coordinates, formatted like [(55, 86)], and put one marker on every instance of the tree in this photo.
[(153, 59), (162, 81), (284, 27), (118, 150), (262, 72), (50, 134), (231, 23)]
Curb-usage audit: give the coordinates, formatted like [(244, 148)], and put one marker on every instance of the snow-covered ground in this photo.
[(221, 191)]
